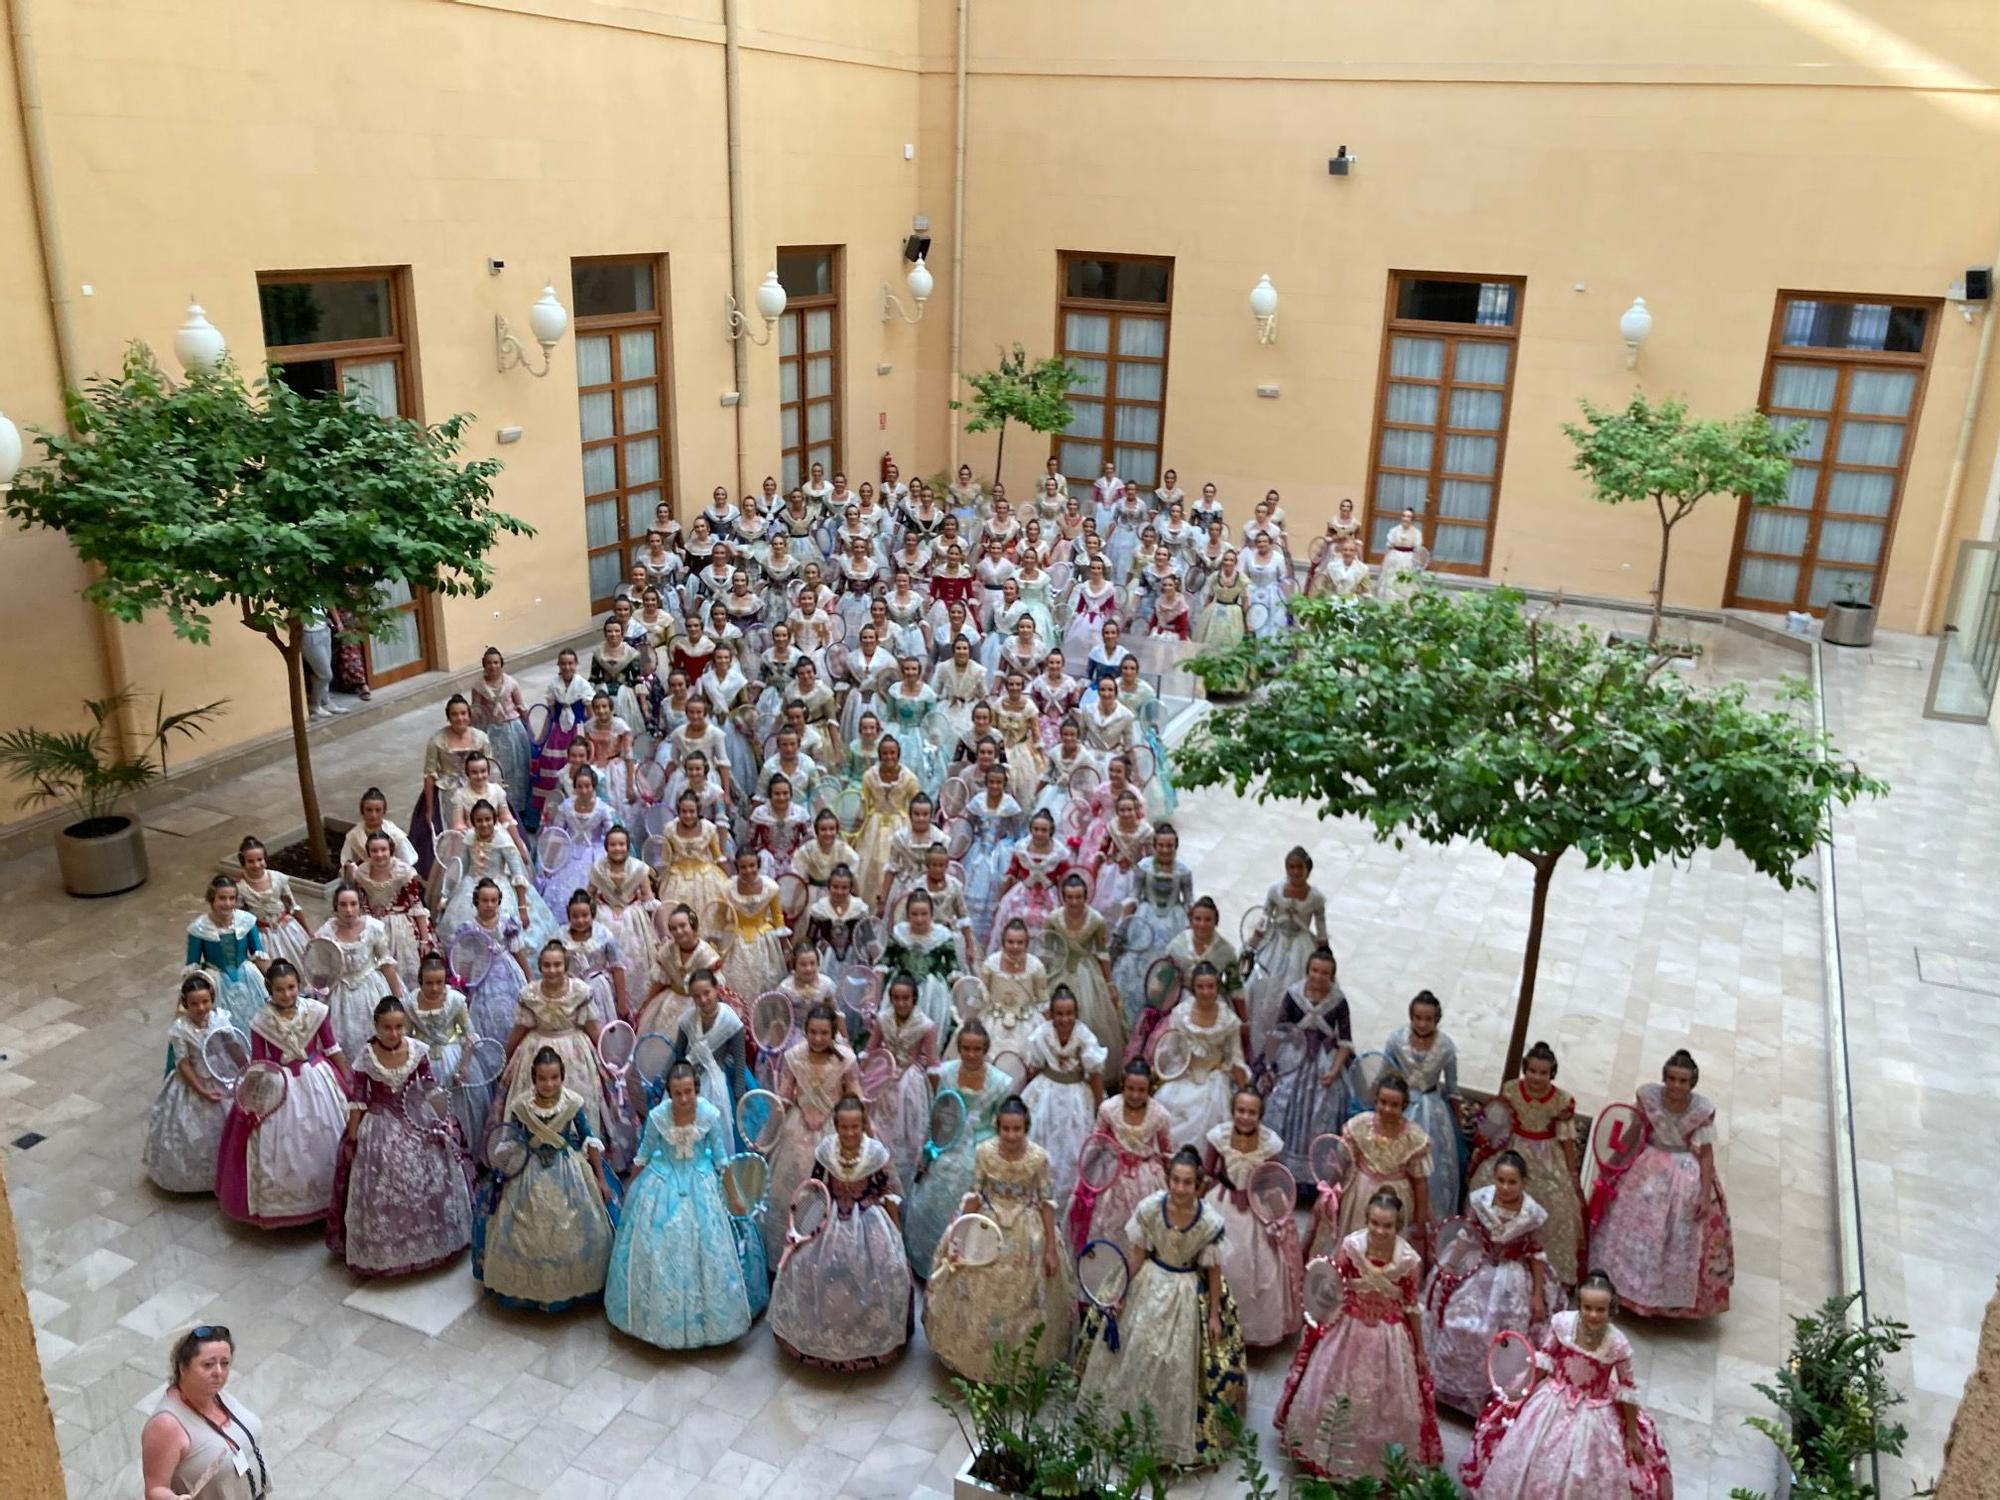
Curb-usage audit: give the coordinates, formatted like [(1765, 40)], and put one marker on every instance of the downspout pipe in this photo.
[(56, 283), (1961, 453), (958, 229), (732, 97)]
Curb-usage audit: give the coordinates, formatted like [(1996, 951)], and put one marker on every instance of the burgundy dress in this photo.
[(402, 1190)]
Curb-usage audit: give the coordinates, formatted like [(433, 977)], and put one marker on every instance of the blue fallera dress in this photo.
[(933, 1202), (227, 954), (544, 1240), (676, 1277)]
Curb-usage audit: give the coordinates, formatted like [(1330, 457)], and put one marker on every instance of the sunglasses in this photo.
[(207, 1332)]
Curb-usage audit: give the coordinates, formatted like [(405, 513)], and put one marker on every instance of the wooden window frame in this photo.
[(1435, 476), (1845, 362), (628, 547), (1110, 401), (799, 304), (401, 346)]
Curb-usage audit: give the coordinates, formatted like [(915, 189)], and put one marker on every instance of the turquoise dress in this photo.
[(676, 1277), (239, 990), (935, 1199)]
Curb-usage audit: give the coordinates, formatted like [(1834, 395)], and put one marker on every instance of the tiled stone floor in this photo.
[(427, 1391)]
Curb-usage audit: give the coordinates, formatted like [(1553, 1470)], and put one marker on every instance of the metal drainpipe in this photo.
[(958, 229), (732, 97), (55, 279), (1954, 485)]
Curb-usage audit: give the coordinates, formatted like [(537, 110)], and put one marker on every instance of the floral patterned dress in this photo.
[(1062, 1112), (675, 1279), (402, 1188), (841, 1300), (1481, 1286), (1198, 1100), (279, 924), (1666, 1245), (1143, 1150), (1395, 1162), (1541, 1129), (545, 1242), (1433, 1079), (810, 1084), (935, 1198), (968, 1309), (1262, 1263), (1299, 1105), (184, 1129), (1297, 927), (899, 1110), (278, 1172)]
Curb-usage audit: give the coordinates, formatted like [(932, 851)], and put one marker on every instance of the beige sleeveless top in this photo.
[(209, 1454)]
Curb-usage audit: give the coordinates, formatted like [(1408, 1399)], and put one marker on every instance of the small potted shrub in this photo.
[(103, 850), (1850, 619)]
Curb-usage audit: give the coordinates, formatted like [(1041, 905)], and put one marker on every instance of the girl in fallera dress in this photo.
[(567, 698), (817, 859), (596, 959), (994, 818), (1202, 942), (1198, 1100), (267, 895), (491, 856), (1076, 947), (947, 1176), (402, 1188), (225, 941), (1019, 724), (555, 1011), (689, 873), (374, 818), (841, 1300), (442, 1021), (1155, 914), (479, 786), (1179, 1347), (1311, 1099), (814, 1075), (932, 956), (1660, 1227), (184, 1126), (755, 961), (368, 971), (444, 773), (1136, 1125), (1065, 1089), (1017, 992), (1399, 557), (887, 789), (626, 900), (543, 1242), (1262, 1263), (909, 850), (1030, 1287), (1029, 889), (1296, 917), (491, 997), (779, 828), (1543, 1129), (1115, 844), (675, 1279), (585, 819), (1138, 697), (278, 1172), (682, 954), (1581, 1434), (1389, 1154), (833, 925), (1371, 1357), (900, 1109), (1493, 1277), (712, 1038), (1428, 1062), (393, 894)]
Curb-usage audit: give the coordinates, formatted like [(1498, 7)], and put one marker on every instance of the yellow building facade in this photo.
[(1793, 186)]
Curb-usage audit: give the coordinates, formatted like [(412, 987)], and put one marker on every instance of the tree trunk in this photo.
[(1531, 961), (293, 650), (1660, 581), (999, 453)]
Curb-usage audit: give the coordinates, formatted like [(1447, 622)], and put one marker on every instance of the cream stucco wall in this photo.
[(1703, 155)]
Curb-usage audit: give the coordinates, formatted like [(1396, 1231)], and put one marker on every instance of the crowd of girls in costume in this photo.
[(821, 950)]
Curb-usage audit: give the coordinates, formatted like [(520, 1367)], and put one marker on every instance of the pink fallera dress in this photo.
[(1668, 1250), (278, 1172), (1142, 1153)]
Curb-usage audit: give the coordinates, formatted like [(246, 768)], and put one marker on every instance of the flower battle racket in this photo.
[(811, 1207), (652, 1055), (1172, 1054), (1363, 1073), (450, 846), (322, 963), (1496, 1123), (968, 996), (1015, 1066), (947, 1124), (794, 896), (878, 1073), (1455, 1247), (1617, 1138), (1328, 1158), (1323, 1294), (717, 923), (551, 849), (760, 1117), (506, 1149), (1510, 1366), (953, 796), (615, 1046), (261, 1090), (225, 1053), (479, 1065), (1250, 933), (746, 1178), (471, 955), (973, 1240), (1102, 1273), (1274, 1194), (1163, 985), (771, 1020)]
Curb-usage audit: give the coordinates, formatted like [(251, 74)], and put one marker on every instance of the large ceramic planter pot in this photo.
[(102, 856), (1848, 624), (965, 1487)]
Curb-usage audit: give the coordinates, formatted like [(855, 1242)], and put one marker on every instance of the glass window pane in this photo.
[(1829, 584), (401, 647), (1090, 375), (819, 421), (1482, 362), (1420, 359), (1881, 393), (605, 575), (1087, 333), (1143, 382), (600, 470), (642, 461), (1136, 424), (1139, 465), (1086, 419), (1459, 544), (640, 407), (819, 330), (326, 312), (1479, 409), (639, 508), (1116, 280), (1773, 529), (806, 273), (593, 359), (788, 428), (599, 290), (1850, 541), (1869, 443), (1082, 458), (822, 455), (1146, 336), (1471, 455), (594, 417), (1814, 324), (1411, 403), (638, 354), (374, 381), (819, 376), (1378, 537), (1802, 487), (1767, 578), (788, 334), (1465, 499), (1403, 448), (1394, 492), (1860, 494), (1815, 443), (600, 523), (788, 380), (793, 473), (1804, 387), (395, 591), (1486, 302)]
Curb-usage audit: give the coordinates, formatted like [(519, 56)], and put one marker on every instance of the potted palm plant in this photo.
[(91, 773)]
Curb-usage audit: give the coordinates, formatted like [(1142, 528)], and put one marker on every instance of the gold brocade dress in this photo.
[(1542, 1129), (545, 1243), (690, 870), (885, 810), (1397, 1163)]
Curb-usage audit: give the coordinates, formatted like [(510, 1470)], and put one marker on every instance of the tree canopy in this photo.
[(208, 494), (1466, 716), (1035, 395)]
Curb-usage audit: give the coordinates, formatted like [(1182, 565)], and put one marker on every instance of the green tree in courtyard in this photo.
[(1462, 716), (192, 497), (1033, 395), (1660, 453)]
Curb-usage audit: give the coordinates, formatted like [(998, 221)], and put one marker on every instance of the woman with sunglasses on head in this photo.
[(200, 1444)]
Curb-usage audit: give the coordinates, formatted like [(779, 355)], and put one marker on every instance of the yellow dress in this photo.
[(756, 961), (1021, 734), (690, 870), (556, 1022), (884, 810)]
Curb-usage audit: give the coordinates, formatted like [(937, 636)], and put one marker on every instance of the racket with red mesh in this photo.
[(1617, 1138), (1510, 1365)]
